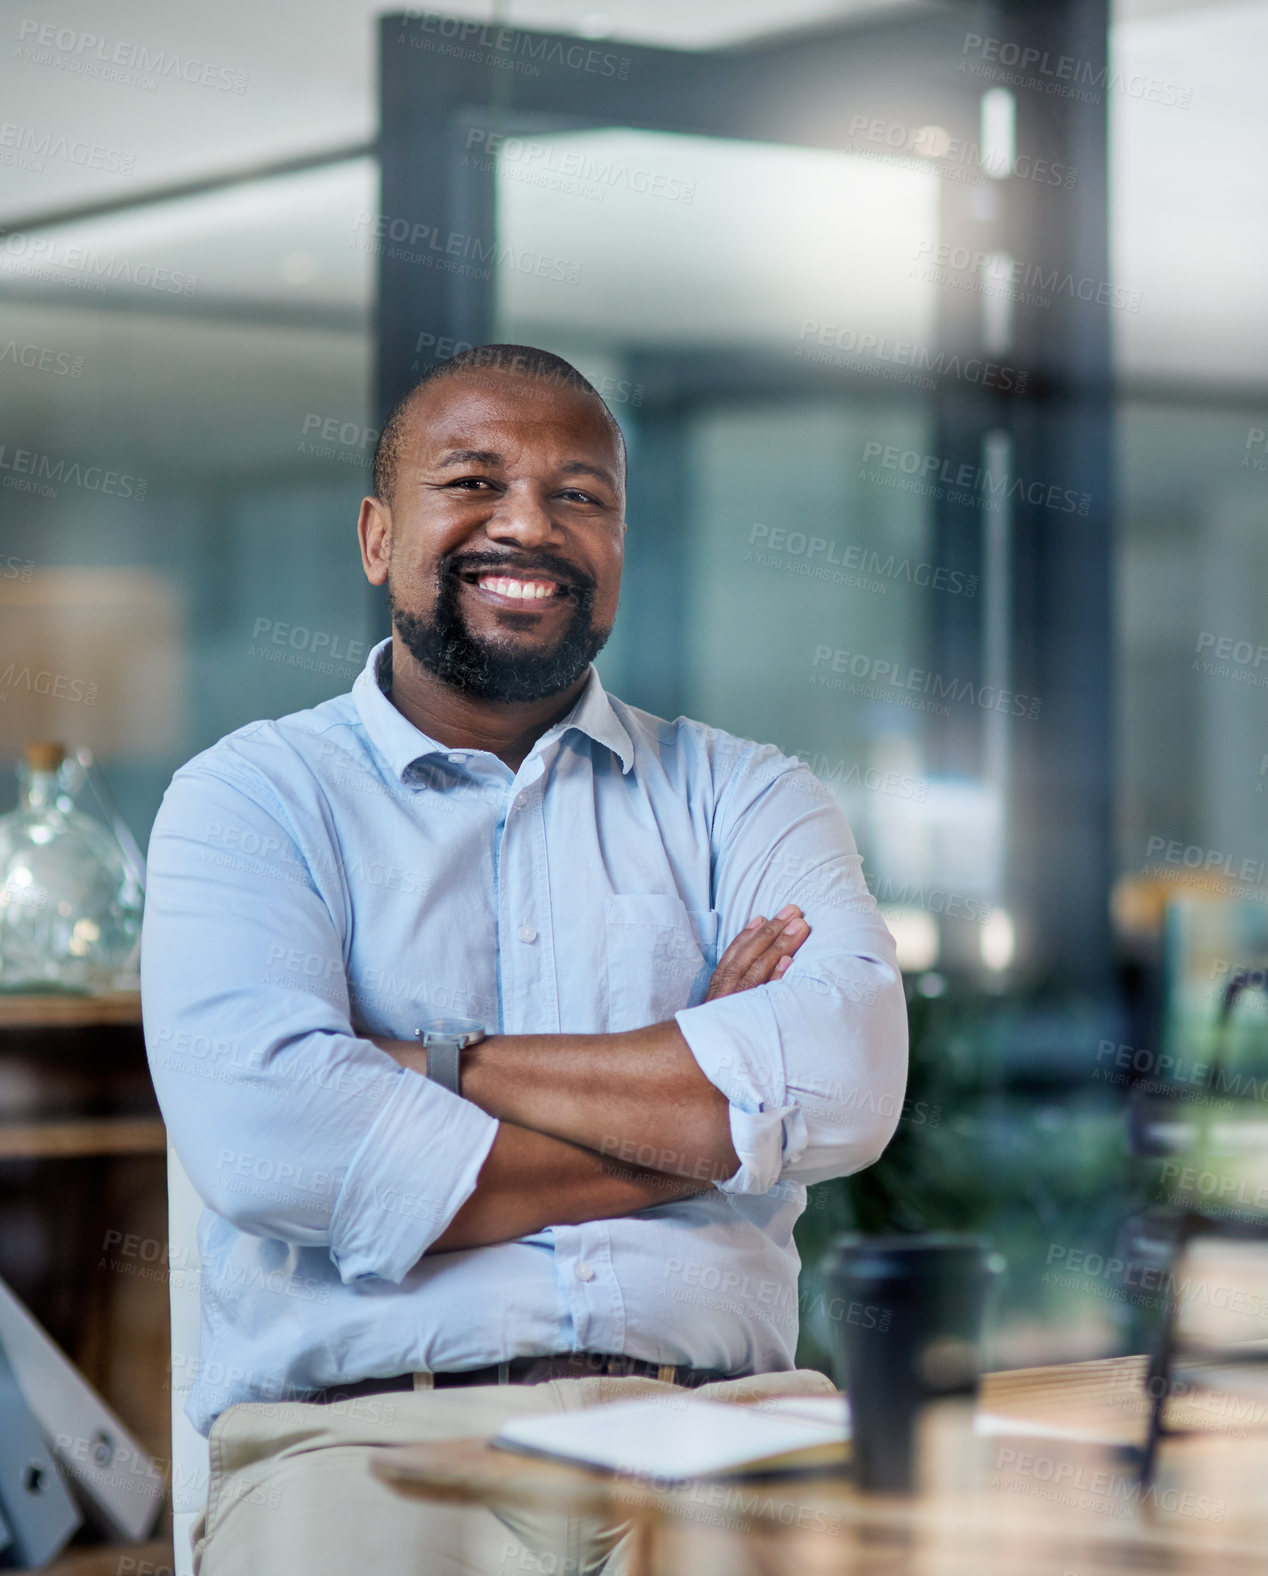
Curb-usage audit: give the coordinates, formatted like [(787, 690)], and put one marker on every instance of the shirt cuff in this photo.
[(415, 1169), (736, 1042)]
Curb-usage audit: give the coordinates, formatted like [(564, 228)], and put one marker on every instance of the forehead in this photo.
[(534, 412)]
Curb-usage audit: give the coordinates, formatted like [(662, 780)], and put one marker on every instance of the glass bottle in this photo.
[(70, 904)]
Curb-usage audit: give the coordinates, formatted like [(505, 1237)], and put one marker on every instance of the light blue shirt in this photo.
[(338, 873)]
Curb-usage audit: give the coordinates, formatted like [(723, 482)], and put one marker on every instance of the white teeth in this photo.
[(526, 590)]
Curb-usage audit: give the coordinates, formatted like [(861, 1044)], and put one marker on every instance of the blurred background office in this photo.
[(938, 334)]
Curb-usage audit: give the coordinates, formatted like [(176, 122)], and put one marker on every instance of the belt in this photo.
[(529, 1370)]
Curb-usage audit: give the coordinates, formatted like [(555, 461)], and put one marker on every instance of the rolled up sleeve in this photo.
[(814, 1065), (290, 1125)]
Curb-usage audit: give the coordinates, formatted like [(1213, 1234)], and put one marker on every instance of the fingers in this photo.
[(762, 951)]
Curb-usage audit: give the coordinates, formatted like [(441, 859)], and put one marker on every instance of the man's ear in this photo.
[(374, 532)]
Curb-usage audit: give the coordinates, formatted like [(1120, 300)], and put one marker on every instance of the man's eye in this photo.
[(470, 481), (582, 497)]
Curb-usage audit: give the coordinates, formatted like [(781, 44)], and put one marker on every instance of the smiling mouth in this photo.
[(525, 590)]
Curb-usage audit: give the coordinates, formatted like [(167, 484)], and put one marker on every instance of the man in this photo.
[(693, 1009)]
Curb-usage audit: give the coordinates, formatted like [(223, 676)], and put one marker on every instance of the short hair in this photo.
[(541, 365)]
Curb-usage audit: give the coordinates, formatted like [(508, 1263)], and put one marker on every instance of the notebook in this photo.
[(672, 1438)]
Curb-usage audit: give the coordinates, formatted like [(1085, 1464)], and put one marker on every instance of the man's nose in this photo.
[(522, 516)]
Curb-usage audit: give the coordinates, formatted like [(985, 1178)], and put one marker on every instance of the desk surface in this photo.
[(1048, 1491)]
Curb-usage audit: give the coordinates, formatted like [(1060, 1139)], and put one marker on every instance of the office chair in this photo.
[(190, 1461)]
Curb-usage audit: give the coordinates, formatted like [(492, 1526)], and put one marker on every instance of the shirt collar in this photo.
[(401, 743)]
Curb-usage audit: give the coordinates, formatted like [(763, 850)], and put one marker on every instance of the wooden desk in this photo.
[(1058, 1497)]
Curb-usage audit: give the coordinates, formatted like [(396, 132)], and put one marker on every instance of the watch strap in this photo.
[(442, 1062)]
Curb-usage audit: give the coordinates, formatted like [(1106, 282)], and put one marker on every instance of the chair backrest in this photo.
[(189, 1448)]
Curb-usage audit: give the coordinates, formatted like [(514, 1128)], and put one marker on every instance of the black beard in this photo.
[(483, 669)]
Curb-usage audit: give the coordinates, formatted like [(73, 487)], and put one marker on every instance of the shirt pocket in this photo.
[(660, 957)]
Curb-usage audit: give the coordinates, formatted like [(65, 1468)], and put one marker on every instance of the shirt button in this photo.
[(584, 1272), (527, 933), (521, 799)]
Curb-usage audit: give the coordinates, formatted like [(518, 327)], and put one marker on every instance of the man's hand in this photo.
[(762, 951), (639, 1092)]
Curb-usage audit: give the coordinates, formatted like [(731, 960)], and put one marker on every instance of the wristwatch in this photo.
[(444, 1039)]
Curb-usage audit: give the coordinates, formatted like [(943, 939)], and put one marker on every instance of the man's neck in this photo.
[(507, 729)]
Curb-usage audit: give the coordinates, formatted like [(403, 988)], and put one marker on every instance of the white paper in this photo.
[(832, 1411), (677, 1436)]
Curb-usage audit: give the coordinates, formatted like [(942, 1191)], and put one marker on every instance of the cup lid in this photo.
[(904, 1254)]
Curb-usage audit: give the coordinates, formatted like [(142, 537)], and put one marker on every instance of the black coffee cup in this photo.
[(906, 1315)]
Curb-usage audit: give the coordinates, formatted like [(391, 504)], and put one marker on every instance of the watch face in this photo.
[(458, 1031)]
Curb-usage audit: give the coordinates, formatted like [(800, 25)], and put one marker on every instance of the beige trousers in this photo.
[(291, 1492)]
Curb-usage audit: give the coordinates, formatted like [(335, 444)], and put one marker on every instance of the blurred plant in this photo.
[(993, 1138)]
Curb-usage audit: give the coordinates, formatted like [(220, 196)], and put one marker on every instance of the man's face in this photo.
[(502, 545)]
